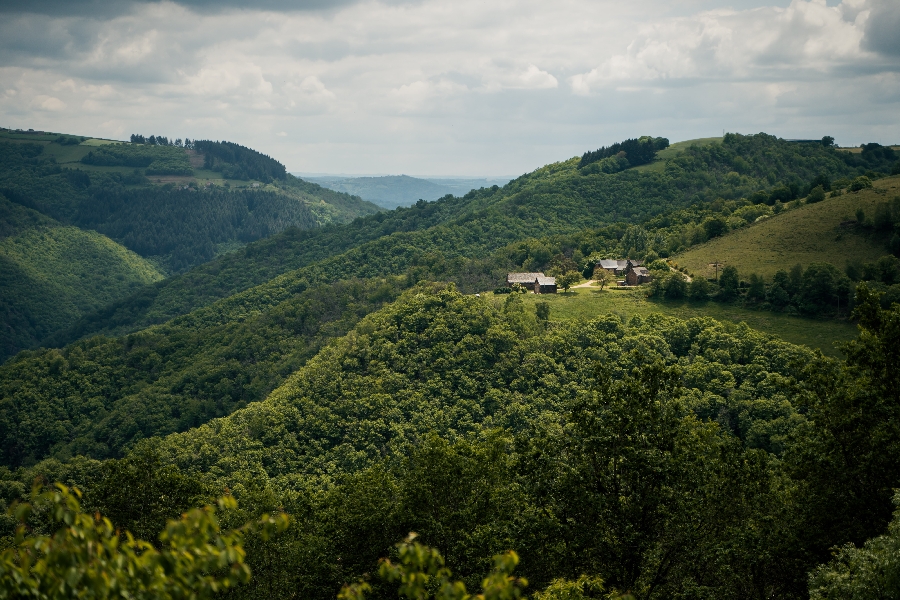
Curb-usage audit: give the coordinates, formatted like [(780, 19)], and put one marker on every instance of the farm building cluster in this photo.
[(631, 271), (535, 282)]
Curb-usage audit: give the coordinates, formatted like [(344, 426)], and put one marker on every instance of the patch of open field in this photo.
[(591, 302), (808, 234)]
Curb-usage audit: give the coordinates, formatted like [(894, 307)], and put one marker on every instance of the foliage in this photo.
[(422, 575), (872, 571), (87, 557), (158, 160)]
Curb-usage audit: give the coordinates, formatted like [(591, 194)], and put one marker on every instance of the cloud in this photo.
[(883, 27), (806, 39), (454, 87)]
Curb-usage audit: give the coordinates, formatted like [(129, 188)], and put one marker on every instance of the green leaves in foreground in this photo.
[(423, 575), (88, 558)]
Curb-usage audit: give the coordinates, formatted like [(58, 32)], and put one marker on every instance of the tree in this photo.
[(87, 556), (860, 183), (602, 277), (827, 141), (675, 286), (872, 571), (715, 226), (817, 194), (422, 575), (728, 283), (699, 289), (568, 279), (757, 288), (542, 310)]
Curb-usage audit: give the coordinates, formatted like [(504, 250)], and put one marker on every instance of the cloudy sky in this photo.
[(450, 87)]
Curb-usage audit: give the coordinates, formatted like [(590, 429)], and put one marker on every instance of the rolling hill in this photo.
[(576, 211), (52, 274), (826, 231)]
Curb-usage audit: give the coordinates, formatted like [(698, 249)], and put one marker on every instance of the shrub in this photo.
[(860, 183), (817, 194)]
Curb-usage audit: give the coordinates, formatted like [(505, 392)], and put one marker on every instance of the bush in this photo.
[(503, 290), (860, 183), (817, 194), (699, 289)]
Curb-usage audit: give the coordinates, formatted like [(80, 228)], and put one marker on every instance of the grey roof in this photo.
[(640, 270), (609, 263), (523, 277), (544, 280)]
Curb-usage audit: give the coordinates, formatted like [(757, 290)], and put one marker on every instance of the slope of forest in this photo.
[(51, 274), (96, 186), (670, 203), (592, 447)]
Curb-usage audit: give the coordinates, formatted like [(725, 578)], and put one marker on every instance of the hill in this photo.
[(578, 212), (592, 446), (393, 191), (826, 231), (176, 205), (52, 274)]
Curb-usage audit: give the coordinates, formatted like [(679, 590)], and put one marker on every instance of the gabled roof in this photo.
[(544, 280), (523, 277), (640, 271), (609, 263)]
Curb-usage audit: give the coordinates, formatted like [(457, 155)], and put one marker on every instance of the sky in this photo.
[(450, 87)]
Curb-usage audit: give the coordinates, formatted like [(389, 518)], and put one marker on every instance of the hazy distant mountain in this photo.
[(392, 191)]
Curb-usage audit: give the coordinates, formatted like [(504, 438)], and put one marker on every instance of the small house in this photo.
[(618, 266), (637, 275), (536, 282)]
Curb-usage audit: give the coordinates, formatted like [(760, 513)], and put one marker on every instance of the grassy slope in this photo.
[(591, 302), (52, 274), (810, 233)]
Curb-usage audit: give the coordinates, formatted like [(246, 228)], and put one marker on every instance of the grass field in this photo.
[(659, 164), (591, 302), (810, 233)]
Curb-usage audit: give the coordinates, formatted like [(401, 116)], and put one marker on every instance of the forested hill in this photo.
[(593, 447), (178, 206), (51, 274), (147, 197), (670, 196)]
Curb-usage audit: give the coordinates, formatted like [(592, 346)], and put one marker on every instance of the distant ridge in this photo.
[(392, 191)]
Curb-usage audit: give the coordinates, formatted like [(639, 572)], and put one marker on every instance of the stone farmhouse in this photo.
[(618, 266), (637, 275), (536, 282)]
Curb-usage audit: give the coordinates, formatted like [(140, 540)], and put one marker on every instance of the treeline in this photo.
[(239, 162), (636, 152), (592, 448), (160, 140)]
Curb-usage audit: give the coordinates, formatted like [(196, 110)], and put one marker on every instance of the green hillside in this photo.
[(166, 202), (583, 211), (823, 232), (51, 275), (591, 446)]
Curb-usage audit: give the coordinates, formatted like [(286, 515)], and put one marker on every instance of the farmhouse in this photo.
[(537, 282), (618, 266), (637, 275)]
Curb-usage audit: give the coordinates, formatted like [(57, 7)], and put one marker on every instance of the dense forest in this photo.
[(320, 375), (662, 457), (104, 222)]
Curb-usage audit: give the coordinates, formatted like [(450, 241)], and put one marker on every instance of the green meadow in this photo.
[(590, 302)]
